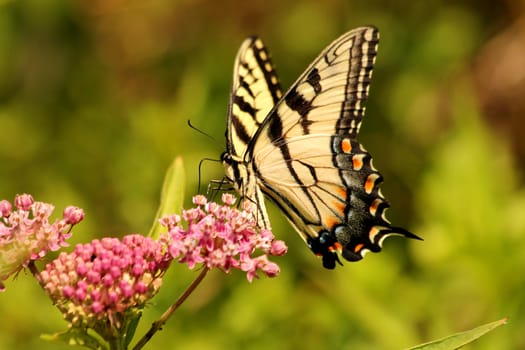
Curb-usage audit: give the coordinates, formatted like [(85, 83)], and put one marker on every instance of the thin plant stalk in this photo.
[(157, 325)]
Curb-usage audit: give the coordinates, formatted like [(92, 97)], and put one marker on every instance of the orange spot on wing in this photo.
[(374, 230), (357, 162), (340, 207), (330, 222), (346, 146), (374, 206), (336, 247), (342, 192), (369, 184), (358, 247)]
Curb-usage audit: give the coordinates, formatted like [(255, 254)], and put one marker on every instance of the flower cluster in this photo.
[(105, 279), (105, 284), (26, 233), (222, 237)]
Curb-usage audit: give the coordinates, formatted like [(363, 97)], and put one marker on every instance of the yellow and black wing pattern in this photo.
[(300, 149)]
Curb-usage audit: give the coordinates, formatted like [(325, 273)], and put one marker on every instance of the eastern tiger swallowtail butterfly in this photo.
[(300, 148)]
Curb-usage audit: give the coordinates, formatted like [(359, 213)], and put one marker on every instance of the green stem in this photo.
[(33, 269), (157, 325), (115, 343), (36, 274)]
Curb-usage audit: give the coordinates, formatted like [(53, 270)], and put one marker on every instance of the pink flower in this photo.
[(99, 282), (223, 237), (73, 215), (5, 209), (26, 233), (278, 248), (24, 201), (261, 262)]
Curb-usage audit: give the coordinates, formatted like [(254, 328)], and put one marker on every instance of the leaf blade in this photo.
[(458, 340)]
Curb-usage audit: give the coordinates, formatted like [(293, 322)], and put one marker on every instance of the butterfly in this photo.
[(300, 148)]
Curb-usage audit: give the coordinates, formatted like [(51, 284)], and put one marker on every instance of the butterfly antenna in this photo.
[(203, 133), (201, 162)]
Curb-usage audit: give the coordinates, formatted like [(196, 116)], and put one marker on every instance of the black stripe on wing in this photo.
[(255, 90), (361, 63)]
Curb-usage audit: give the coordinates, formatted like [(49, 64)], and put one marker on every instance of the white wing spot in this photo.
[(368, 34), (380, 243), (372, 165), (364, 251)]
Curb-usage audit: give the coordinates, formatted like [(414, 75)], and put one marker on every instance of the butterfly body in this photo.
[(300, 148)]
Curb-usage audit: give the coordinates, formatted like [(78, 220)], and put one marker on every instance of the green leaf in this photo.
[(77, 337), (172, 195), (131, 326), (458, 340)]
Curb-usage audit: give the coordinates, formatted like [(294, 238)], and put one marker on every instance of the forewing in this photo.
[(255, 90)]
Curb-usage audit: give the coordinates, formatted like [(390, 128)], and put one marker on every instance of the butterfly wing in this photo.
[(255, 91), (306, 158)]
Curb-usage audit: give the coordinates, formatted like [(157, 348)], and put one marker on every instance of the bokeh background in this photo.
[(94, 100)]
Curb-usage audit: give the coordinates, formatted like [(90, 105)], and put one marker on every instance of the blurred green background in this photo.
[(94, 99)]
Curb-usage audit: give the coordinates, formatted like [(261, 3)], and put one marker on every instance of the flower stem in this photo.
[(34, 271), (157, 325)]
